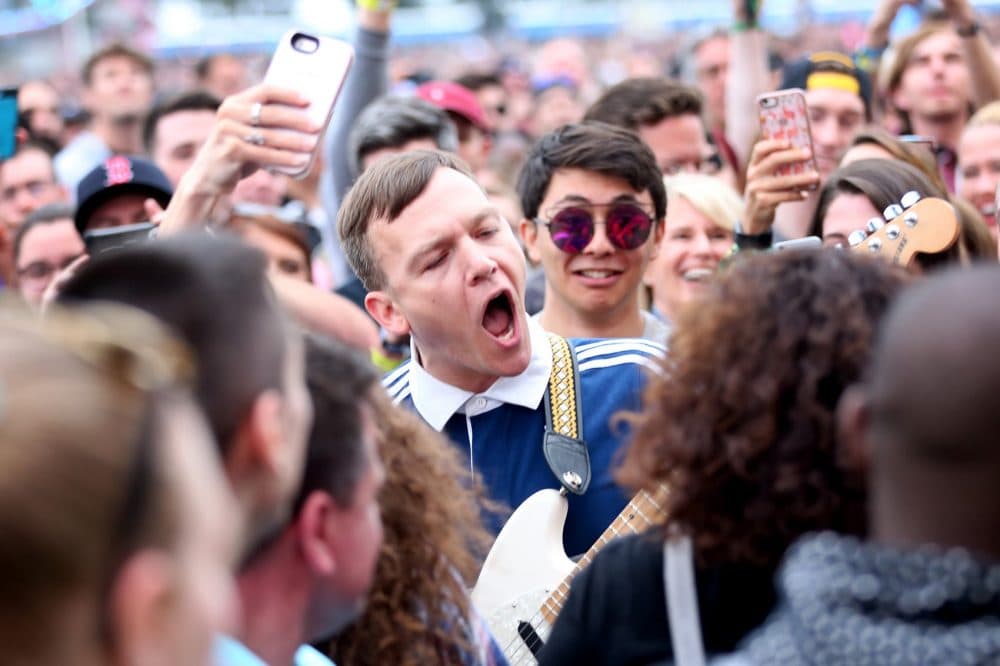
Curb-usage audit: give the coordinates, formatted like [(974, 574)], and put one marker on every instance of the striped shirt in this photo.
[(501, 429)]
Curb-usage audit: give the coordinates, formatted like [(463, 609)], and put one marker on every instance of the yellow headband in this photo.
[(835, 80)]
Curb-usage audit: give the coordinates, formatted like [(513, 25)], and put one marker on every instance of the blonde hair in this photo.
[(988, 115), (79, 399), (710, 196)]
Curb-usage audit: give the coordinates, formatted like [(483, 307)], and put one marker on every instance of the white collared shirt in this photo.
[(437, 401)]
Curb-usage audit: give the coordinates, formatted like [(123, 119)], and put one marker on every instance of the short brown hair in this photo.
[(634, 103), (383, 192), (116, 50)]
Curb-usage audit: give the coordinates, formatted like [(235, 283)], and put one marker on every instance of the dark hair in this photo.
[(338, 380), (116, 50), (634, 103), (192, 100), (214, 293), (37, 145), (740, 423), (45, 215), (476, 82), (916, 156), (883, 182), (591, 146), (203, 68), (382, 192), (391, 122)]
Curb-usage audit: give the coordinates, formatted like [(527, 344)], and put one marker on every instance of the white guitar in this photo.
[(526, 577)]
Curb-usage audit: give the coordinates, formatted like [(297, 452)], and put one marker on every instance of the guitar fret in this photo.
[(642, 512), (645, 518)]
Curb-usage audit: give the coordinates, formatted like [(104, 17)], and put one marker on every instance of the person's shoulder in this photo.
[(397, 382), (597, 354), (636, 552)]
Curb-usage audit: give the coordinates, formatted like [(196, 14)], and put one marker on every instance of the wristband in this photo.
[(376, 5), (867, 57), (744, 241)]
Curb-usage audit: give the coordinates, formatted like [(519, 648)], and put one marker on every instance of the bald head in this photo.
[(936, 371), (933, 415)]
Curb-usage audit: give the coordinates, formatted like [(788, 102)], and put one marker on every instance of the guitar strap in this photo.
[(563, 444), (682, 602)]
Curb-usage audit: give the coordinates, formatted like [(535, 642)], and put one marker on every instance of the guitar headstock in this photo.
[(913, 225)]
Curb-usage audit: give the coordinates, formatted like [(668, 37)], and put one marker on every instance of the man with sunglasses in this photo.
[(594, 203), (442, 265)]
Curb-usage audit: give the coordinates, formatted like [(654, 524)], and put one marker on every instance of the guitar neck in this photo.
[(645, 510)]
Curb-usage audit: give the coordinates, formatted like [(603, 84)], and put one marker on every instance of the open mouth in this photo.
[(697, 274), (498, 320)]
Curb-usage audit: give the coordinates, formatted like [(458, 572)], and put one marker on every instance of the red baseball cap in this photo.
[(455, 98)]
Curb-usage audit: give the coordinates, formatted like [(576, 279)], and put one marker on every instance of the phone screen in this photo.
[(8, 122), (100, 241)]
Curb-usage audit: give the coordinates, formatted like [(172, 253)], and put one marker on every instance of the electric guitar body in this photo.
[(527, 575)]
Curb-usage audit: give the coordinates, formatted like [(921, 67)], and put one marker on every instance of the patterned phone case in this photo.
[(784, 115)]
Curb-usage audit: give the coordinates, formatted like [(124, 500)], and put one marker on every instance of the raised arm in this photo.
[(326, 313), (748, 78), (263, 126), (368, 80), (978, 52)]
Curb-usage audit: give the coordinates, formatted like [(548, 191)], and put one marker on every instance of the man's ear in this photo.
[(314, 530), (853, 421), (259, 438), (139, 606), (529, 236), (383, 309)]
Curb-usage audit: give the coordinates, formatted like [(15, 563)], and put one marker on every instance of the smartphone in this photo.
[(100, 241), (805, 243), (316, 67), (927, 142), (784, 115), (8, 122)]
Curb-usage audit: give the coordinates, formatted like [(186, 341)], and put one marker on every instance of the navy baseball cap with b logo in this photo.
[(117, 175)]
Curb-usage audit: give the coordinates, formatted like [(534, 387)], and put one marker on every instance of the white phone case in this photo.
[(318, 75)]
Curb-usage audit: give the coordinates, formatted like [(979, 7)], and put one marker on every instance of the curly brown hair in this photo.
[(418, 610), (740, 424)]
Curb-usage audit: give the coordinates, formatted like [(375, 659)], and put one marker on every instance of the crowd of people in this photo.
[(526, 368)]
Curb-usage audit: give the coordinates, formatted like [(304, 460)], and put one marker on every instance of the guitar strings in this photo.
[(519, 650)]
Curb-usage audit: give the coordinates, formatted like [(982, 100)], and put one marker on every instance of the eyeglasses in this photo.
[(41, 270), (35, 188), (572, 228), (709, 166)]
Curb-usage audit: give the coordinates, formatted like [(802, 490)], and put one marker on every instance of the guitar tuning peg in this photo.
[(910, 198), (874, 225), (892, 211), (857, 237)]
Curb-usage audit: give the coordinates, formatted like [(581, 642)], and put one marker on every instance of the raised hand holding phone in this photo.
[(262, 125), (782, 167)]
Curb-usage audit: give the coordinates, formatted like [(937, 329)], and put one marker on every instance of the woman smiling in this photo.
[(701, 211)]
